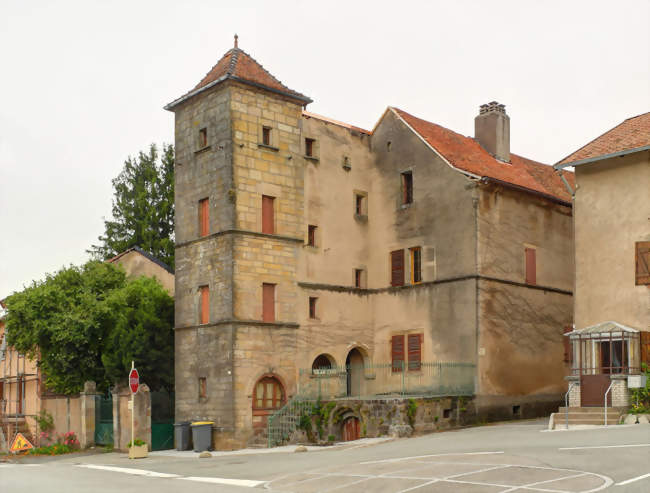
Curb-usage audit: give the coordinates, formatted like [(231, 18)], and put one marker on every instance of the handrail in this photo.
[(566, 403), (607, 392)]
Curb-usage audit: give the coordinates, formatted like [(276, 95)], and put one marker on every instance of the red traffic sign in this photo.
[(134, 381)]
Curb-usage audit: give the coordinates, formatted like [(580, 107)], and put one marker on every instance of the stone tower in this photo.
[(239, 224)]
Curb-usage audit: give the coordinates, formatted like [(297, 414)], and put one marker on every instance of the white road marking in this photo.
[(128, 470), (632, 480), (528, 486), (425, 456), (233, 482), (20, 465), (607, 446), (419, 486), (153, 474)]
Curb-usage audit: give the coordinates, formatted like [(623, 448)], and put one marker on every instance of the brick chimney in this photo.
[(492, 130)]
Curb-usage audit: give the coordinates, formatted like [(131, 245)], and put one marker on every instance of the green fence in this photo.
[(286, 420), (162, 420), (387, 379), (104, 419)]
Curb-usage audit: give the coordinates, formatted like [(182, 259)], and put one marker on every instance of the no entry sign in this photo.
[(134, 380)]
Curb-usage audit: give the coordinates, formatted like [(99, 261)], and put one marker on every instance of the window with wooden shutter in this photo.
[(645, 347), (397, 353), (397, 268), (416, 265), (204, 217), (415, 351), (269, 394), (268, 220), (268, 302), (531, 266), (568, 353), (407, 187), (205, 304), (642, 263)]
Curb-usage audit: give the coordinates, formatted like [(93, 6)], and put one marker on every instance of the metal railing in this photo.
[(607, 392), (566, 403), (399, 379), (286, 420)]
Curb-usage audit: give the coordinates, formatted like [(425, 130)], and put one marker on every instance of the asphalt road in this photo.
[(509, 457)]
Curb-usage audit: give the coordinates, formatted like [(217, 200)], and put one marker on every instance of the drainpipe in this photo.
[(566, 183)]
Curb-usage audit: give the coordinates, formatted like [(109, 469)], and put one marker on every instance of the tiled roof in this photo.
[(238, 65), (631, 134), (308, 114), (466, 154)]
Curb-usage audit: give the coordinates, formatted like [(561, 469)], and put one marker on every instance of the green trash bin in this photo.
[(202, 435)]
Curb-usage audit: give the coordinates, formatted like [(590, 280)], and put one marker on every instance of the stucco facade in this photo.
[(338, 213)]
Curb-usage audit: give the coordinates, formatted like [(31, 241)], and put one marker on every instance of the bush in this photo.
[(137, 442), (331, 438), (642, 396)]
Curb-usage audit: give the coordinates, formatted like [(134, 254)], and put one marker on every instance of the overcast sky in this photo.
[(83, 85)]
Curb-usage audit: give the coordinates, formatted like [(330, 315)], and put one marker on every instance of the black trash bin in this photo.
[(202, 435), (182, 435)]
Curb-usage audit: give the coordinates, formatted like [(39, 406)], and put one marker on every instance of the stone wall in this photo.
[(620, 392), (122, 416)]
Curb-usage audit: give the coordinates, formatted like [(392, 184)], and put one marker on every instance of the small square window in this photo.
[(309, 147), (312, 307), (311, 235), (203, 138), (266, 136), (203, 387)]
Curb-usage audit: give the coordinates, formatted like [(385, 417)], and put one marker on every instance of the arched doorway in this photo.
[(268, 397), (354, 368)]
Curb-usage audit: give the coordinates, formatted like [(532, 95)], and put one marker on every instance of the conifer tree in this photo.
[(143, 207)]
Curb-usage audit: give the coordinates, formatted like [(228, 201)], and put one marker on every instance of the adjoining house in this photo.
[(611, 339), (307, 247), (23, 394)]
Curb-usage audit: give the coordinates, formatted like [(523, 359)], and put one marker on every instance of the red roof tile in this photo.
[(467, 155), (631, 134), (239, 65), (308, 114)]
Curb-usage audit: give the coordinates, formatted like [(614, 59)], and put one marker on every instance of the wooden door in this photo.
[(592, 390), (351, 429)]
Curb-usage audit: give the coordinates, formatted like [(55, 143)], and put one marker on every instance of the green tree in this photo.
[(143, 207), (72, 319)]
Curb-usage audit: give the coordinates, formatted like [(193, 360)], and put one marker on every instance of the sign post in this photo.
[(134, 384)]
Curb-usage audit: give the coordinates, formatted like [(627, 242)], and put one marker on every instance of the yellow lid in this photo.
[(196, 423)]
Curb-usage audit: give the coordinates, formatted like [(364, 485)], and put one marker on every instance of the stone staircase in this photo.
[(585, 416)]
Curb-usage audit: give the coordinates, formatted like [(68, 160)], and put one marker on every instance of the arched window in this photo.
[(269, 394), (322, 362)]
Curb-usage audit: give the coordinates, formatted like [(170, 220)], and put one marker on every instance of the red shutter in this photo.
[(397, 268), (568, 354), (645, 347), (268, 302), (531, 266), (415, 351), (205, 304), (204, 217), (642, 262), (397, 352), (267, 215)]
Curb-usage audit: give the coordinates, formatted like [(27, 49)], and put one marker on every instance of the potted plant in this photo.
[(138, 449)]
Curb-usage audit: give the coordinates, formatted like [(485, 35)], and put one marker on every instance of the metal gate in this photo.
[(104, 419), (162, 420)]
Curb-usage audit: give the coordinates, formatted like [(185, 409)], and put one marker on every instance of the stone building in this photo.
[(307, 243), (612, 263)]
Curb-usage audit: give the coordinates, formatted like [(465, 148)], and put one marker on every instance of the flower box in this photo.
[(138, 451)]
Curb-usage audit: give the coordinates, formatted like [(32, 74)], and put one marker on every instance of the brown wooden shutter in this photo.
[(645, 347), (205, 304), (204, 217), (397, 352), (415, 351), (568, 354), (531, 266), (267, 215), (642, 262), (397, 268), (268, 302)]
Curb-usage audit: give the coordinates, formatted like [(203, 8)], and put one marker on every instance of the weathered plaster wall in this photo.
[(611, 214), (521, 344), (137, 265)]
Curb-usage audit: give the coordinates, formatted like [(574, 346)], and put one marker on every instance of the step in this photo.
[(590, 415), (590, 409)]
